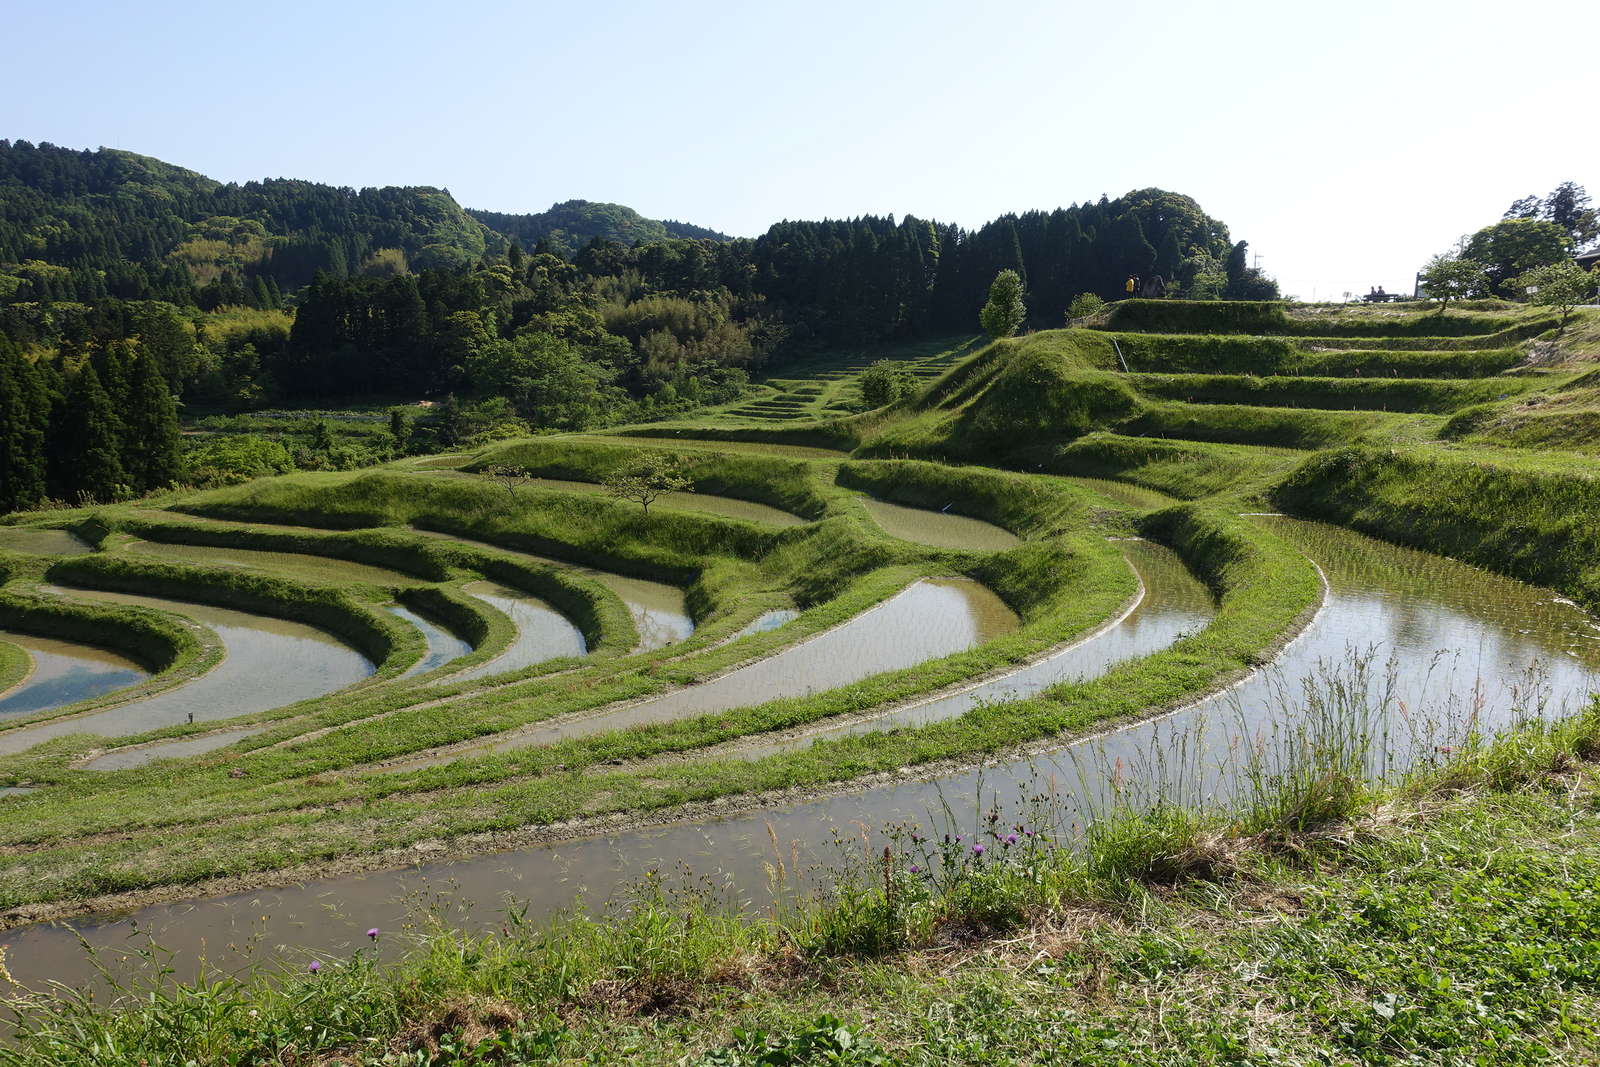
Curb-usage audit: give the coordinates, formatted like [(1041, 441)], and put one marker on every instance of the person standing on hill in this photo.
[(1132, 286)]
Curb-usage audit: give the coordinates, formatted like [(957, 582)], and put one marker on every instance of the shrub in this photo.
[(886, 382)]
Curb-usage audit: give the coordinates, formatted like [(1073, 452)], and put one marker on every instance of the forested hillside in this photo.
[(87, 225), (240, 297), (569, 226)]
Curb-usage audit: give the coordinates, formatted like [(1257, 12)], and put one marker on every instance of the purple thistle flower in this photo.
[(1011, 839), (315, 967), (915, 869), (373, 933), (977, 850)]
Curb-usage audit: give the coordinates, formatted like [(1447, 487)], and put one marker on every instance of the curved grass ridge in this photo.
[(389, 644), (535, 787), (1540, 523), (786, 484), (1273, 318)]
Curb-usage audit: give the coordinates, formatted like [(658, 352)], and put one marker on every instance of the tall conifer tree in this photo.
[(152, 455), (88, 435)]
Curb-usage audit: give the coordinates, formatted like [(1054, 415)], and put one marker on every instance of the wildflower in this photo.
[(315, 967), (915, 869), (373, 933), (977, 850), (1011, 839)]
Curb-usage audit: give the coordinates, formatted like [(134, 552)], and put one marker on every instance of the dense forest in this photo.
[(237, 297), (97, 427), (569, 226)]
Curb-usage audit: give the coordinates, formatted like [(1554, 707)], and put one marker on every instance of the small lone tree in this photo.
[(1562, 286), (509, 476), (887, 381), (400, 425), (646, 479), (1451, 276), (1005, 310), (1084, 305)]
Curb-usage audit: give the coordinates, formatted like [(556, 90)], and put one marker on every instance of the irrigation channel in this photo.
[(1432, 648)]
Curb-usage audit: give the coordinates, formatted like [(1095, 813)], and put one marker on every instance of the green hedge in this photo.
[(1542, 526)]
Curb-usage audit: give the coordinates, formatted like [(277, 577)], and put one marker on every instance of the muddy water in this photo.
[(939, 529), (932, 617), (726, 506), (65, 673), (290, 564), (659, 610), (268, 663), (1175, 603), (41, 542), (542, 632), (1426, 612), (443, 646)]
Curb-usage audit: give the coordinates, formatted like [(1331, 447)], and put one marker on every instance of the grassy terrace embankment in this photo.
[(1398, 424)]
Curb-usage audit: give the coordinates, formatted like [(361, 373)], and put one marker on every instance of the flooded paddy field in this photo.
[(65, 672), (660, 611), (40, 542), (1431, 648), (267, 663), (726, 506), (939, 528), (933, 617), (542, 632)]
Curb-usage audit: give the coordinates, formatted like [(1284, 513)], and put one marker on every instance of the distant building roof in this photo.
[(1588, 259)]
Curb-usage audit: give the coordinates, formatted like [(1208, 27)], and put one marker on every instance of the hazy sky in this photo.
[(1345, 141)]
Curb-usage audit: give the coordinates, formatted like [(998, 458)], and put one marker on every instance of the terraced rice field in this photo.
[(1070, 572)]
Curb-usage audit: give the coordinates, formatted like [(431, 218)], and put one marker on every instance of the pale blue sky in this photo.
[(1345, 141)]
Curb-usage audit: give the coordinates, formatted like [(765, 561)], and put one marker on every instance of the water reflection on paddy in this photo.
[(933, 617), (1463, 642), (268, 663), (543, 633), (65, 673), (660, 611), (939, 529)]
